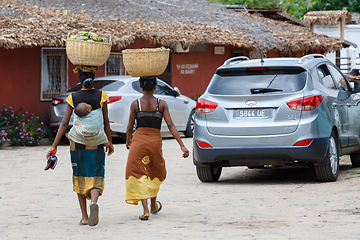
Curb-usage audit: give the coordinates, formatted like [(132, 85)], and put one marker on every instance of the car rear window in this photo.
[(105, 85), (244, 81)]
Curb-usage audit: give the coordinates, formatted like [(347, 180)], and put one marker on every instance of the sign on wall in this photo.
[(219, 50), (187, 68)]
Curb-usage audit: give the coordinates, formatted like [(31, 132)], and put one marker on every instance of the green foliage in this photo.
[(195, 97), (19, 128), (298, 8)]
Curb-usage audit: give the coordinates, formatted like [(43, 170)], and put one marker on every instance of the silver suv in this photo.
[(278, 111)]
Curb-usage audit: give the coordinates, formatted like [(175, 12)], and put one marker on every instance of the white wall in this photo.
[(352, 34)]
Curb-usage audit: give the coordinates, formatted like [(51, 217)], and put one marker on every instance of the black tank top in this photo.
[(150, 119)]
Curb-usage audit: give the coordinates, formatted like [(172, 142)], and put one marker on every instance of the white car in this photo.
[(122, 90)]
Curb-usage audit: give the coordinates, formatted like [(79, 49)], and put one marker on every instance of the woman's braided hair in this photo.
[(86, 79), (148, 83)]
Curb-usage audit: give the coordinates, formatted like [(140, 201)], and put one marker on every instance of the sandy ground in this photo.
[(246, 203)]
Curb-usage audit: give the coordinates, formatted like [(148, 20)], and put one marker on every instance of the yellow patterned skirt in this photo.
[(145, 168), (88, 164)]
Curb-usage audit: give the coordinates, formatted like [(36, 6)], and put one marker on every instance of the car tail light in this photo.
[(205, 106), (305, 103), (257, 69), (57, 101), (303, 142), (114, 99), (203, 144)]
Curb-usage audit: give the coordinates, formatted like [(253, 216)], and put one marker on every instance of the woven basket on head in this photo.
[(87, 53), (146, 61)]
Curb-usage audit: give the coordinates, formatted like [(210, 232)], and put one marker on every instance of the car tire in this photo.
[(355, 159), (208, 173), (330, 171), (189, 132)]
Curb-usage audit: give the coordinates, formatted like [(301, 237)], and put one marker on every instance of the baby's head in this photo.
[(82, 109)]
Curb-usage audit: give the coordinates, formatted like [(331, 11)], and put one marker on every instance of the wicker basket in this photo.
[(87, 53), (146, 61)]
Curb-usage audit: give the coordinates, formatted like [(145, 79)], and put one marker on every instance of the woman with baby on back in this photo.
[(90, 139), (145, 168)]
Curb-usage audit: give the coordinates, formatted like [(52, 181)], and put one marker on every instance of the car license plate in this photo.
[(252, 113)]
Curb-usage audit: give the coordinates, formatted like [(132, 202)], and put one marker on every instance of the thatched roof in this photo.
[(188, 22), (327, 17)]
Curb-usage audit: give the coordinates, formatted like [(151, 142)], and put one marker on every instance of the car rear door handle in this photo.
[(334, 104), (348, 104)]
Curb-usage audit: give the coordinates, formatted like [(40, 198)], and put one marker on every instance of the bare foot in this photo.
[(83, 222)]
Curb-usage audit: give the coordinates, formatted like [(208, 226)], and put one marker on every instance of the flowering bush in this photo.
[(19, 128)]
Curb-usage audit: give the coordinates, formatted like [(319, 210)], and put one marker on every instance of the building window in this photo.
[(285, 54), (238, 52), (198, 48), (54, 79), (114, 65)]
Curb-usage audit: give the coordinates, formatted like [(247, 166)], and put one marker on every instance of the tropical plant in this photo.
[(19, 128), (298, 8)]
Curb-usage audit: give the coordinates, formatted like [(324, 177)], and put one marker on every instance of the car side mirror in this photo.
[(176, 92)]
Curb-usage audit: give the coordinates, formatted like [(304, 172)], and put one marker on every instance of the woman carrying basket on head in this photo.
[(90, 139), (145, 168)]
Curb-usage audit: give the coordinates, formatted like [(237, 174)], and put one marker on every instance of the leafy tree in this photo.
[(298, 8)]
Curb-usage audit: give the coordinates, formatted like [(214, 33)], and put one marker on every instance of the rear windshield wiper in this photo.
[(264, 90)]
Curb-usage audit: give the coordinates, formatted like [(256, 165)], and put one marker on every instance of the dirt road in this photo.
[(246, 203)]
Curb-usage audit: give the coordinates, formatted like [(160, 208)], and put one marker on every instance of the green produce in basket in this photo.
[(86, 36), (94, 37), (74, 37), (83, 33)]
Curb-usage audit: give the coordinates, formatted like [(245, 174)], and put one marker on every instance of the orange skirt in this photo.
[(145, 168)]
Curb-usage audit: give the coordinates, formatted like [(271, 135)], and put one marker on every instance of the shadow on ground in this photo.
[(283, 175)]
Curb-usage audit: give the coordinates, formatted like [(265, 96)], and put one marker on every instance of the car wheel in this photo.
[(329, 171), (189, 132), (355, 159), (208, 173)]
